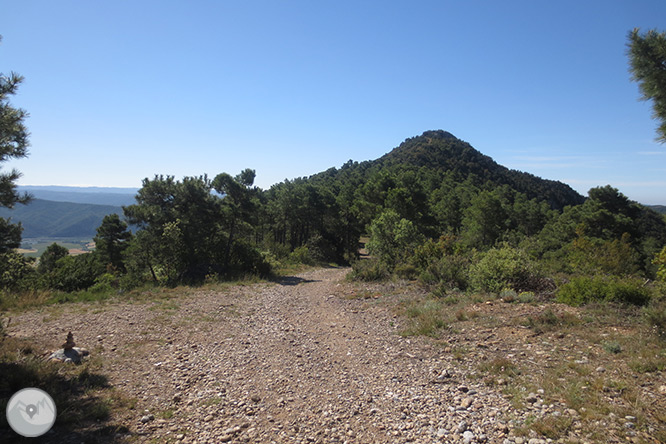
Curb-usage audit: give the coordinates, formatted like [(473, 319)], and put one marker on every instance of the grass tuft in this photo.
[(426, 318)]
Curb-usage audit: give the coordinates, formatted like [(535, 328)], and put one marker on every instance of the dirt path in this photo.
[(304, 360)]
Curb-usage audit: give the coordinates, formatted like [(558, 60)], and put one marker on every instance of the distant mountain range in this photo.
[(67, 212), (48, 219), (87, 195)]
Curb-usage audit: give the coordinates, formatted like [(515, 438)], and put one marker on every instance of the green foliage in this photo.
[(321, 250), (405, 271), (105, 283), (16, 272), (392, 239), (503, 267), (486, 219), (187, 232), (441, 151), (239, 203), (435, 209), (655, 316), (647, 56), (586, 289), (595, 256), (612, 347), (426, 318), (10, 235), (448, 272), (369, 270), (111, 241), (74, 273), (50, 257), (660, 261), (301, 255), (13, 145), (246, 259), (608, 234)]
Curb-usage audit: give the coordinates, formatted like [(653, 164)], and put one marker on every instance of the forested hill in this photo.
[(45, 218), (433, 200), (442, 151)]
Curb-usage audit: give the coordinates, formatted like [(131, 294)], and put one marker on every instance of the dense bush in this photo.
[(441, 264), (660, 261), (246, 258), (503, 267), (75, 273), (321, 250), (449, 271), (16, 272), (586, 289), (301, 255), (369, 270), (393, 239), (592, 256)]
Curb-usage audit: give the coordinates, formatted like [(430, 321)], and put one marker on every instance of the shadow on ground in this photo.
[(294, 280), (84, 399)]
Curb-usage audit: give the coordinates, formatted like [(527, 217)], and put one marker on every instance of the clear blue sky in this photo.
[(122, 90)]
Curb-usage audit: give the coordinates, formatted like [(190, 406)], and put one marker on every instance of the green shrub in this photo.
[(503, 267), (246, 258), (301, 255), (426, 318), (583, 290), (406, 271), (16, 272), (74, 273), (270, 259), (393, 239), (612, 347), (660, 262), (369, 270), (449, 271), (508, 295), (655, 315), (105, 283), (526, 297), (321, 250)]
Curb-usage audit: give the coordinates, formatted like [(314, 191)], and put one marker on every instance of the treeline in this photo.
[(435, 209)]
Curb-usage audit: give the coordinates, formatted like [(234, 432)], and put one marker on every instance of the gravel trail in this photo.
[(303, 360)]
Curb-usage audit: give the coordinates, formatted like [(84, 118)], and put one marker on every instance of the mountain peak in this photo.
[(437, 134), (442, 151)]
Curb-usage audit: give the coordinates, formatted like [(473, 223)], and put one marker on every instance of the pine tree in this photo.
[(13, 145), (647, 54)]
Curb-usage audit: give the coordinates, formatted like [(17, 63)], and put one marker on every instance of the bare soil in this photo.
[(314, 358)]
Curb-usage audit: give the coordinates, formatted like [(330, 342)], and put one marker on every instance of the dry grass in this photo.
[(82, 394), (605, 362)]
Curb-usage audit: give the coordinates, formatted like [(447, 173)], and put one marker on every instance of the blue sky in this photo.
[(123, 90)]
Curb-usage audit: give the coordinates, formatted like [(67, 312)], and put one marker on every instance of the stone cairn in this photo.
[(69, 352)]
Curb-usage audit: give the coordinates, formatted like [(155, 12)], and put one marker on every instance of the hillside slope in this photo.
[(44, 218), (88, 195), (443, 151)]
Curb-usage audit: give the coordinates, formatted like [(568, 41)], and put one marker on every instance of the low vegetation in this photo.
[(82, 392)]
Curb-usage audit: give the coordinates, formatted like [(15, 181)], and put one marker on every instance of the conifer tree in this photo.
[(13, 145), (647, 54)]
